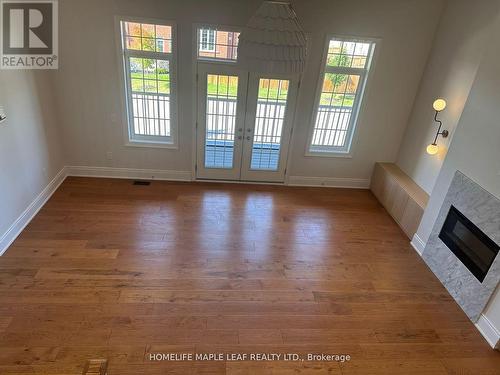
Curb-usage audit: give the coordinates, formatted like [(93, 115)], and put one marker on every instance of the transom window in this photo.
[(340, 90), (215, 44), (148, 57)]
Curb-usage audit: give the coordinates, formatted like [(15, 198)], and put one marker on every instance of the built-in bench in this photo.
[(400, 195)]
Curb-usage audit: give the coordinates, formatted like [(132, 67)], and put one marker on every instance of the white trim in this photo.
[(359, 102), (29, 213), (329, 154), (204, 69), (195, 82), (351, 183), (146, 144), (197, 27), (489, 331), (129, 173), (483, 324), (200, 40), (240, 182), (418, 244), (278, 175), (130, 139)]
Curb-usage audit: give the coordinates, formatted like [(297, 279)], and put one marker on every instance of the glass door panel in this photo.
[(268, 126), (270, 115), (221, 114), (222, 95)]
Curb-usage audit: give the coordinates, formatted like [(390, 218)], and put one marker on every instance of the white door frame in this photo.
[(220, 69), (247, 174), (247, 100)]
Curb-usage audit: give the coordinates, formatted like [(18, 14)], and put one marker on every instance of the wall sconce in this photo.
[(3, 116), (438, 105)]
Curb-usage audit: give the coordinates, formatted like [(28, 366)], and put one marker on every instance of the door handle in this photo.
[(240, 137), (249, 138), (240, 130)]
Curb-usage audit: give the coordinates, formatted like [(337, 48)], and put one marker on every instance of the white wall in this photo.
[(459, 45), (88, 82), (407, 29), (475, 149), (30, 147)]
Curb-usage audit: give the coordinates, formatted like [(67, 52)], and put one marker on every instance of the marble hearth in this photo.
[(483, 209)]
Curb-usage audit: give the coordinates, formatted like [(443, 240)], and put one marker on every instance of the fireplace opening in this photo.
[(474, 248)]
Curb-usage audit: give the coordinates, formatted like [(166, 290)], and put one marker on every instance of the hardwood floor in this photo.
[(115, 271)]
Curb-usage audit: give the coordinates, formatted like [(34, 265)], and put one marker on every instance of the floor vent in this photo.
[(142, 183), (96, 367)]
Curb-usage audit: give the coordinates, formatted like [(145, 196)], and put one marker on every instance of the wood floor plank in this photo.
[(115, 271), (394, 366)]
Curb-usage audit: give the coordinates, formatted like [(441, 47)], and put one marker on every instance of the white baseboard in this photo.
[(351, 183), (29, 213), (484, 325), (418, 244), (489, 331), (106, 172), (129, 173)]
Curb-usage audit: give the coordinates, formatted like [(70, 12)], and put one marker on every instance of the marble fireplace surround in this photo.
[(483, 209)]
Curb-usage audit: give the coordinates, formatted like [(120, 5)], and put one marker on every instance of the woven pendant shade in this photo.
[(273, 41)]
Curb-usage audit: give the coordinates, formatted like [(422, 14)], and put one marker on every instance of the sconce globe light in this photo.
[(432, 149), (439, 105)]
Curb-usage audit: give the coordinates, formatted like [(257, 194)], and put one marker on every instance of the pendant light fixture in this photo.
[(273, 41)]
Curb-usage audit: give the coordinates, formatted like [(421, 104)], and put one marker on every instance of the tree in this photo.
[(338, 59), (145, 41)]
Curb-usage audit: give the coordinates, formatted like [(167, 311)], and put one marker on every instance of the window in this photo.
[(207, 40), (148, 58), (214, 44), (160, 45), (340, 93)]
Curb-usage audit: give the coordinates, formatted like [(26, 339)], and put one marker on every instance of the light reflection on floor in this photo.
[(256, 227)]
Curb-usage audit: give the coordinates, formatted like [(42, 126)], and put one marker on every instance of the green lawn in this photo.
[(326, 99), (223, 90), (149, 83)]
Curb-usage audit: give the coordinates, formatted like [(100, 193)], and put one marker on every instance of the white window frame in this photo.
[(132, 139), (209, 31), (216, 27), (160, 42), (195, 42), (364, 73)]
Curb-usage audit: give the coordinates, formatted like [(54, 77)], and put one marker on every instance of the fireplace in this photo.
[(463, 243), (474, 248)]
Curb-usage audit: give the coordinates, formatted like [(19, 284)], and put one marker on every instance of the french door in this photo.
[(244, 124)]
